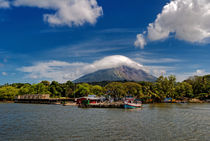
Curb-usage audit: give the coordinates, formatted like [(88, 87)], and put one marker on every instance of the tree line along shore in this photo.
[(196, 87)]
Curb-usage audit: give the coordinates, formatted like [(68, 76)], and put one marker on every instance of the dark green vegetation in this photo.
[(194, 87), (122, 73)]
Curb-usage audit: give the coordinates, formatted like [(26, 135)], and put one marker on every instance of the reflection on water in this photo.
[(175, 122)]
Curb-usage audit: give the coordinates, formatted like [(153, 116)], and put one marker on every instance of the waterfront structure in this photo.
[(41, 99), (33, 96), (90, 99)]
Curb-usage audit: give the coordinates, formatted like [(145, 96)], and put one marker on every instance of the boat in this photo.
[(131, 103)]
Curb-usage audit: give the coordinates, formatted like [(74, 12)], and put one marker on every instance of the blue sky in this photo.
[(61, 47)]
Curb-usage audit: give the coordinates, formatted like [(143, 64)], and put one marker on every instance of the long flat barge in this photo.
[(102, 105), (43, 101)]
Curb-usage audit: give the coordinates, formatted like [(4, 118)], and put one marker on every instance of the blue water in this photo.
[(158, 122)]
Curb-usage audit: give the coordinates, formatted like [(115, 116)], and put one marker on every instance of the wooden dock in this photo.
[(102, 105), (44, 101), (41, 99)]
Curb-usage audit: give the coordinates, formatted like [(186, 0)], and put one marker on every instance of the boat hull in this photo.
[(132, 106)]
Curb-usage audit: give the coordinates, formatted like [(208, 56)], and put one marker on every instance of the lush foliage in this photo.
[(194, 87)]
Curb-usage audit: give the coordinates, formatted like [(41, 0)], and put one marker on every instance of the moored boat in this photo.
[(131, 103)]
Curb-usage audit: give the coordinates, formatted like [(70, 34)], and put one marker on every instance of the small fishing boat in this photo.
[(131, 103)]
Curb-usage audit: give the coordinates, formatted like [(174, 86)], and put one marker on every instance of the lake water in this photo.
[(154, 122)]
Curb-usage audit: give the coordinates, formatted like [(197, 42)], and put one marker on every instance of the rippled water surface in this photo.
[(158, 122)]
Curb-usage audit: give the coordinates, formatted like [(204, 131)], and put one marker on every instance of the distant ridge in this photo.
[(122, 73)]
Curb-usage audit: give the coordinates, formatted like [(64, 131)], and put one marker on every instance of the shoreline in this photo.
[(75, 104), (7, 101)]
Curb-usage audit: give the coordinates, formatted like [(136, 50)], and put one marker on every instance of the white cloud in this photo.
[(200, 72), (4, 4), (114, 61), (91, 48), (4, 73), (63, 71), (67, 12), (188, 20), (158, 60), (159, 70), (55, 70), (183, 76), (140, 42)]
